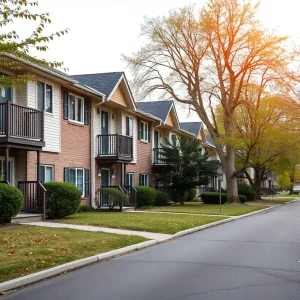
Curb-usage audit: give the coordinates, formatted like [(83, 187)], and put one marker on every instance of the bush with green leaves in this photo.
[(214, 198), (83, 209), (114, 197), (190, 194), (246, 190), (145, 196), (11, 201), (162, 198), (62, 199)]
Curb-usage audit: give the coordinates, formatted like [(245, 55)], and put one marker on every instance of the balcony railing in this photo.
[(115, 147), (21, 122), (158, 157)]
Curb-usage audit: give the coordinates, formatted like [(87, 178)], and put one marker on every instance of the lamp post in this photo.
[(220, 178)]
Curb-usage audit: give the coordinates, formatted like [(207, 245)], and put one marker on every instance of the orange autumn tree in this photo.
[(208, 58)]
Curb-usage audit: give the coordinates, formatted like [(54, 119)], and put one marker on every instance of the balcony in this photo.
[(114, 148), (158, 156), (21, 126)]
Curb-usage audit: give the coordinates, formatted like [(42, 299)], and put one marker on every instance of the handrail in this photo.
[(5, 182), (43, 200)]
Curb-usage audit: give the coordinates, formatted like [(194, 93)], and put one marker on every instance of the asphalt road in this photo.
[(252, 258)]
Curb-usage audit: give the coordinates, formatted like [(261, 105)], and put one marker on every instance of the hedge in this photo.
[(162, 198), (114, 197), (145, 196), (11, 201), (190, 194), (214, 198), (83, 209), (62, 199), (246, 190)]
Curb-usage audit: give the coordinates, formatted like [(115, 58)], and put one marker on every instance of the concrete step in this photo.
[(26, 218)]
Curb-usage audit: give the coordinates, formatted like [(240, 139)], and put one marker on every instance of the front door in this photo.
[(105, 181), (104, 133)]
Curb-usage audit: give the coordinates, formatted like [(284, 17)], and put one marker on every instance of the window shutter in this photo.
[(66, 105), (66, 174), (87, 182), (42, 174), (127, 126), (140, 179), (139, 130), (149, 133), (86, 112)]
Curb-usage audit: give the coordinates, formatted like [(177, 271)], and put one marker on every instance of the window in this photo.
[(2, 170), (75, 108), (76, 178), (144, 180), (46, 174), (80, 178), (45, 97), (5, 92), (129, 126), (173, 137), (129, 179), (144, 131)]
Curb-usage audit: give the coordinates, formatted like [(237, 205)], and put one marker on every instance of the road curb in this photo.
[(39, 276)]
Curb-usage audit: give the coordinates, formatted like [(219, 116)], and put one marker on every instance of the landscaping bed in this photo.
[(26, 250), (160, 223), (199, 208)]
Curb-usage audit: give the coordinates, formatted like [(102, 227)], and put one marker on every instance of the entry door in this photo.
[(104, 133)]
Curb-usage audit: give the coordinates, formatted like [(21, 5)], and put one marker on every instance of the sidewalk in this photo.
[(148, 235)]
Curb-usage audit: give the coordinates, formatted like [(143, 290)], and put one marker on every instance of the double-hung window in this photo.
[(129, 179), (77, 178), (129, 126), (144, 179), (144, 131), (44, 97), (75, 108), (46, 173)]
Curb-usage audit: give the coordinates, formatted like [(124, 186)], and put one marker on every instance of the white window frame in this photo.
[(48, 166), (130, 129), (12, 168), (146, 179), (83, 179), (39, 82), (76, 108), (130, 174), (145, 135)]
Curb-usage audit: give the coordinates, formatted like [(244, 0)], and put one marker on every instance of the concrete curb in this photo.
[(39, 276)]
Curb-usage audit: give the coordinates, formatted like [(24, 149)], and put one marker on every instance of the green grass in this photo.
[(279, 199), (199, 208), (26, 250), (161, 223)]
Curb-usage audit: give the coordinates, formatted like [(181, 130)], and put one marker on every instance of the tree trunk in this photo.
[(231, 180), (257, 183), (252, 183)]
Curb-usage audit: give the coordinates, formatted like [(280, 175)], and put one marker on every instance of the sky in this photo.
[(101, 30)]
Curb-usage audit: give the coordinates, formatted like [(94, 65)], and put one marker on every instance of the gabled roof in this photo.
[(209, 140), (192, 127), (102, 82), (159, 109)]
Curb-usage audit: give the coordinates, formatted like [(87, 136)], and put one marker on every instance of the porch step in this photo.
[(26, 218)]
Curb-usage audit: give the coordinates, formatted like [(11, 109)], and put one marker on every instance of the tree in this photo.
[(187, 167), (211, 58), (11, 43)]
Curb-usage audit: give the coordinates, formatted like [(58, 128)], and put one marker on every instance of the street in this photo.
[(256, 257)]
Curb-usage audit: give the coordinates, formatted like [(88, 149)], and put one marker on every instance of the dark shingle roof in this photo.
[(101, 82), (159, 109), (209, 139), (192, 127)]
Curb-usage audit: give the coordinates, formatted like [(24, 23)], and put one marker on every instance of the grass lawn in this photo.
[(278, 199), (199, 208), (161, 223), (26, 250)]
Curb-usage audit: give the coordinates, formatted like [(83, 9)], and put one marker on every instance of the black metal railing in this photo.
[(158, 156), (131, 192), (22, 122), (34, 194), (105, 201), (119, 146)]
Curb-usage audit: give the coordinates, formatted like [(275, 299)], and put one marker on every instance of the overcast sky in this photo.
[(101, 30)]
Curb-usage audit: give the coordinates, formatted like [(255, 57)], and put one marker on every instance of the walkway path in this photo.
[(148, 235)]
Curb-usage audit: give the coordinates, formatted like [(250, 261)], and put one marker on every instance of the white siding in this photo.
[(52, 121)]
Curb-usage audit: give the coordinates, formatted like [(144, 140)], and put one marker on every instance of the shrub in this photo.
[(196, 200), (62, 199), (114, 197), (214, 198), (162, 198), (246, 190), (145, 196), (11, 201), (83, 208), (190, 194)]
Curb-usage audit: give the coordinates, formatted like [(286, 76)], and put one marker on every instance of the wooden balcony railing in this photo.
[(21, 122), (158, 157), (115, 146)]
